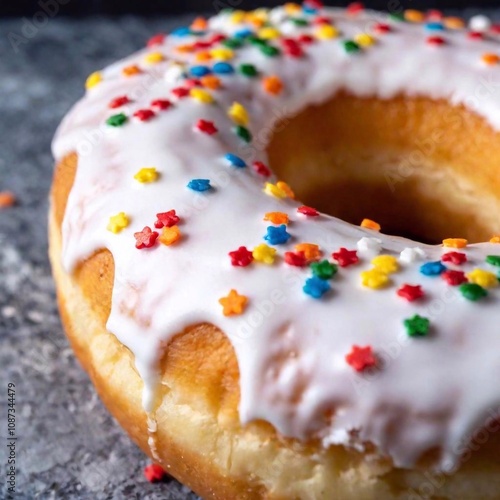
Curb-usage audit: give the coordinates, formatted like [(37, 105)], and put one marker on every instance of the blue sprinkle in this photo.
[(223, 68), (200, 70), (309, 10), (432, 268), (243, 33), (277, 235), (199, 185), (235, 161), (316, 287), (183, 31), (434, 26)]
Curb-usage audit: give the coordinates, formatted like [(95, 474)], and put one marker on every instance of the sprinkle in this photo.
[(494, 260), (410, 292), (243, 133), (201, 95), (434, 26), (435, 40), (310, 250), (272, 84), (277, 235), (170, 235), (364, 40), (297, 259), (453, 23), (292, 48), (418, 326), (305, 39), (410, 255), (414, 16), (381, 28), (432, 268), (369, 224), (261, 169), (146, 175), (324, 269), (495, 239), (199, 24), (316, 287), (222, 54), (180, 92), (264, 253), (346, 257), (131, 70), (157, 39), (490, 59), (355, 8), (233, 304), (210, 82), (154, 473), (283, 186), (238, 113), (326, 32), (248, 70), (369, 245), (350, 46), (199, 71), (486, 279), (166, 219), (205, 126), (154, 57), (454, 278), (223, 68), (361, 358), (241, 257), (387, 264), (7, 199), (276, 217), (455, 243), (182, 31), (374, 278), (456, 258), (238, 16), (273, 190), (473, 291), (199, 185), (232, 43), (292, 8), (118, 222), (480, 23), (268, 33), (434, 15), (269, 50), (144, 115), (93, 80), (235, 161), (145, 238), (117, 120), (475, 35), (117, 102), (308, 211)]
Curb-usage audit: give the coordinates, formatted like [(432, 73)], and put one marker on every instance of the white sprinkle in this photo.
[(480, 23), (369, 245), (174, 73), (409, 255)]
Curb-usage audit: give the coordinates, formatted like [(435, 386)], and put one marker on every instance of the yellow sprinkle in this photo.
[(486, 279), (238, 113), (146, 175), (264, 253), (310, 250), (490, 59), (455, 243), (238, 16), (286, 189), (414, 16), (154, 57), (118, 222), (201, 95), (370, 224), (170, 235), (364, 39), (276, 217), (454, 23), (374, 279), (222, 54), (268, 33), (386, 264), (292, 8), (326, 32), (273, 190), (495, 239), (93, 80), (203, 56)]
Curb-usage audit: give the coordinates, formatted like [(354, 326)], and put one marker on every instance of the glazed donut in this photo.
[(257, 346)]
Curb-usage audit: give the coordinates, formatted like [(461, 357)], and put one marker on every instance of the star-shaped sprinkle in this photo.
[(235, 161), (324, 269), (154, 473), (118, 222), (264, 253), (161, 104), (155, 40), (455, 243), (261, 169), (199, 185), (411, 292), (274, 190), (486, 279), (457, 258), (205, 126), (241, 257), (131, 70), (117, 120), (297, 259), (374, 279), (346, 257), (277, 235), (118, 102), (454, 278), (495, 239), (145, 238), (370, 224), (361, 358), (166, 219), (146, 175), (494, 260), (310, 250), (170, 235), (432, 268), (144, 115), (417, 326), (386, 263), (316, 287), (473, 291), (233, 304), (308, 211)]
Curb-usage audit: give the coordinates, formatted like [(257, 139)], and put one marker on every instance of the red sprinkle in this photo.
[(261, 169), (434, 15), (314, 4), (161, 104), (355, 8), (156, 40), (206, 127), (381, 28), (495, 28), (202, 44), (166, 219), (292, 48), (475, 35), (241, 257), (346, 257), (145, 238), (180, 92), (454, 278), (309, 211), (322, 20), (192, 82), (435, 40), (219, 37), (118, 102), (297, 259), (154, 473), (410, 292), (144, 114), (456, 258), (360, 358), (306, 39)]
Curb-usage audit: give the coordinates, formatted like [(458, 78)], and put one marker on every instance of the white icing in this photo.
[(430, 391)]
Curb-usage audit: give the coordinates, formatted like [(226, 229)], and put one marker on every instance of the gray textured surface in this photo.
[(68, 446)]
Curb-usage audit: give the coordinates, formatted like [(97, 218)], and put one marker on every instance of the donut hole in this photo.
[(423, 169)]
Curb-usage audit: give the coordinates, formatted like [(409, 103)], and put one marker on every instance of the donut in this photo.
[(216, 240)]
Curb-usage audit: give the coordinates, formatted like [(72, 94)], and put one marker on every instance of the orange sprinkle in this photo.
[(369, 224), (490, 59), (414, 16), (7, 199), (199, 24), (286, 189), (186, 48), (210, 82), (170, 235), (495, 239), (310, 250), (272, 84), (454, 23), (276, 217), (131, 70), (234, 303), (203, 56), (455, 243)]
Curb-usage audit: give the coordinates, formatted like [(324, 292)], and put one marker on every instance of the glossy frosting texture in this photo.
[(425, 392)]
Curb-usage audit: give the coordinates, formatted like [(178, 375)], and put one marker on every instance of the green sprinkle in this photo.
[(117, 120), (248, 70), (350, 46), (472, 291), (324, 269), (243, 133), (494, 260), (397, 16), (269, 50), (255, 40), (300, 22), (233, 43), (417, 326)]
